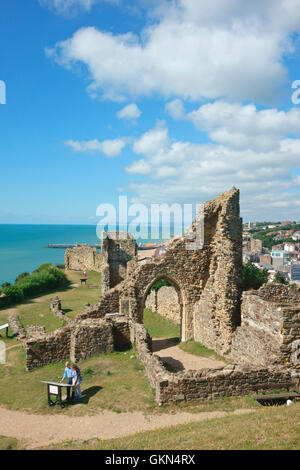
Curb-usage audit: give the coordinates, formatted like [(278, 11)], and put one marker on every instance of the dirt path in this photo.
[(38, 431), (182, 360)]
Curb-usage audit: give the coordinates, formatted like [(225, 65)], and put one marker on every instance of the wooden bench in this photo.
[(279, 398), (83, 281)]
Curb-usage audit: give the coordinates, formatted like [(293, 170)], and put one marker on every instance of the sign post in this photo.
[(55, 389)]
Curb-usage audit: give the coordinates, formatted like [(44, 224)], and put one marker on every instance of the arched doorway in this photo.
[(164, 294)]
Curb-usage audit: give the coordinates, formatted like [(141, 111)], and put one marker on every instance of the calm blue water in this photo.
[(22, 247)]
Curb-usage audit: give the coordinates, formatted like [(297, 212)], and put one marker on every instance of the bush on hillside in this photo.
[(21, 276), (46, 277)]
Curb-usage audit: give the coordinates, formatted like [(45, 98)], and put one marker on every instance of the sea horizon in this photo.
[(23, 247)]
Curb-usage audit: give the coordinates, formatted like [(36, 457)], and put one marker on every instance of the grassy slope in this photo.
[(159, 327), (37, 311), (112, 381), (268, 428)]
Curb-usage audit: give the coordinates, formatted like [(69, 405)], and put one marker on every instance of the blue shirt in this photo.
[(68, 373)]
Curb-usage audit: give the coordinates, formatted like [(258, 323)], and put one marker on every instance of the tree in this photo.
[(253, 277), (280, 279)]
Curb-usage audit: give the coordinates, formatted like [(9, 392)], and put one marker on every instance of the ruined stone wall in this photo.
[(118, 249), (83, 258), (91, 337), (205, 384), (47, 349), (77, 341), (15, 326), (207, 279), (165, 302), (270, 327)]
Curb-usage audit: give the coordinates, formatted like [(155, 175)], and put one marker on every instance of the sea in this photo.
[(23, 247)]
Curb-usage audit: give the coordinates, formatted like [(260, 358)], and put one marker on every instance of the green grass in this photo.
[(37, 311), (8, 443), (263, 429), (111, 381), (159, 327), (198, 349)]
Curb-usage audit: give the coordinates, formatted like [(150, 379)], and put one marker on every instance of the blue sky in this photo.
[(161, 101)]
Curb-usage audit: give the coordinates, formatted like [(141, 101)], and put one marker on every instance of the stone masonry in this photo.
[(83, 258), (118, 249), (207, 280), (165, 302), (270, 330)]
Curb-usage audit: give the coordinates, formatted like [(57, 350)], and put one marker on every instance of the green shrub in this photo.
[(46, 277), (43, 267), (280, 279), (253, 277), (5, 284), (15, 293), (22, 276)]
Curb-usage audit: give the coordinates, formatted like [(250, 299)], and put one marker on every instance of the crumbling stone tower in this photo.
[(117, 249)]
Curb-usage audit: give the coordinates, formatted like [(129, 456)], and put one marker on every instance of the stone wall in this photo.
[(55, 307), (207, 279), (165, 302), (118, 249), (270, 327), (54, 347), (205, 384), (91, 337), (16, 327), (83, 258), (78, 340)]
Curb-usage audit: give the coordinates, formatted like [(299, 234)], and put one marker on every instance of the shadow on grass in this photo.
[(164, 343), (89, 393)]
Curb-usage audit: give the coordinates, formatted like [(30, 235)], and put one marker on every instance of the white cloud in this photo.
[(63, 6), (130, 112), (66, 6), (140, 167), (152, 142), (239, 126), (111, 148), (193, 51), (186, 172)]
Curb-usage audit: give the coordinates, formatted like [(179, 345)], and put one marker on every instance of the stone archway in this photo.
[(178, 290)]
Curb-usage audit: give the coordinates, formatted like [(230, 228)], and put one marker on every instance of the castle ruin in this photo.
[(257, 331)]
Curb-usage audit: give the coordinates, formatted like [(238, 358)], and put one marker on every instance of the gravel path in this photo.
[(182, 360), (37, 431)]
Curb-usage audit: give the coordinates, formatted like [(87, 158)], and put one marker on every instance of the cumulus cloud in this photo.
[(130, 112), (187, 172), (111, 148), (240, 126), (193, 51)]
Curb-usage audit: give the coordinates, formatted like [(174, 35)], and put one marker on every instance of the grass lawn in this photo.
[(8, 443), (114, 381), (159, 327), (264, 429), (37, 311)]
